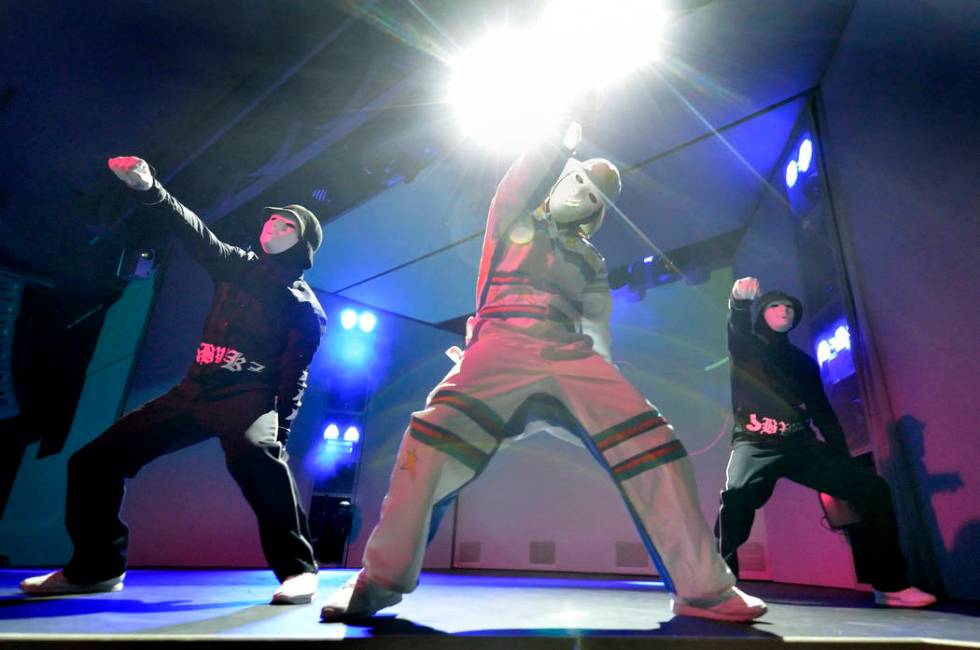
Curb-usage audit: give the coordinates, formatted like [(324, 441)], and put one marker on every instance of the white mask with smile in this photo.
[(574, 198)]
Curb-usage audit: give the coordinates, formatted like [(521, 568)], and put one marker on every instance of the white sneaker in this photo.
[(908, 597), (733, 605), (53, 584), (358, 598), (296, 590)]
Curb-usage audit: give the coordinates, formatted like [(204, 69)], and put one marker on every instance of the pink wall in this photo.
[(901, 130)]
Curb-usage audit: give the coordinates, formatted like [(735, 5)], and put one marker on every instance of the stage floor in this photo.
[(453, 610)]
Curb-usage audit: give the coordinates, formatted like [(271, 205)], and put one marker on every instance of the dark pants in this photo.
[(753, 470), (246, 425)]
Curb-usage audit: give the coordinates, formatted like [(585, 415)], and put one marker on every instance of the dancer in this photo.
[(776, 395), (244, 387), (541, 329)]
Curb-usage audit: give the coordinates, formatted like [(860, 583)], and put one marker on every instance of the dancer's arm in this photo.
[(193, 233), (527, 181), (820, 410), (744, 291), (294, 365)]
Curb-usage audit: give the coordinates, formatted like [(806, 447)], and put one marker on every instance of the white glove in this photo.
[(132, 171), (746, 289), (572, 137)]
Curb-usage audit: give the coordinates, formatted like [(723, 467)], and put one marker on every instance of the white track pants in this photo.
[(451, 440)]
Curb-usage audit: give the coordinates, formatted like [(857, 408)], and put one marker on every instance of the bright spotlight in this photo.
[(611, 39), (501, 93), (792, 172), (352, 434), (805, 155), (515, 87), (332, 432), (348, 318), (367, 321), (824, 352)]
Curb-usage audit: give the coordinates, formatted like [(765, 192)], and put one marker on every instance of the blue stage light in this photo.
[(332, 432), (824, 352), (348, 318), (367, 321), (805, 156), (792, 172), (352, 434), (834, 353)]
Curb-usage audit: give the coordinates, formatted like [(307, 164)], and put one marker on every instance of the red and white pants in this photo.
[(450, 441)]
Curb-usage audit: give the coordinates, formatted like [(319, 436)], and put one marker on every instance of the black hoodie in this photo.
[(265, 322), (776, 387)]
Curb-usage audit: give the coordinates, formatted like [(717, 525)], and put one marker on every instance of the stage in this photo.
[(456, 610)]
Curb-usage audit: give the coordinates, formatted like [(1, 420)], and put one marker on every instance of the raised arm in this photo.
[(744, 291), (528, 179), (193, 233)]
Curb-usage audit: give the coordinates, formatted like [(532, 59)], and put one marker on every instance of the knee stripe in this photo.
[(449, 443), (628, 429), (472, 408), (655, 457)]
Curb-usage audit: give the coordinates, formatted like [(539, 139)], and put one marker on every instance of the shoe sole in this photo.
[(698, 612), (293, 600), (72, 591), (356, 616), (902, 605)]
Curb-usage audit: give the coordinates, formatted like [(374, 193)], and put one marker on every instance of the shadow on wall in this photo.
[(964, 557), (908, 433)]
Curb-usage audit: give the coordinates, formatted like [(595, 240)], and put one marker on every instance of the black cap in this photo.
[(310, 231)]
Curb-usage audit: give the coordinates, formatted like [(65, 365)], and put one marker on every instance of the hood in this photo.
[(762, 328)]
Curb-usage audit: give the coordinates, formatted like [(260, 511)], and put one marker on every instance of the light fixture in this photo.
[(497, 85), (792, 172), (348, 319), (804, 156), (352, 434), (367, 321)]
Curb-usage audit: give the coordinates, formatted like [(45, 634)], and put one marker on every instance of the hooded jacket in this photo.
[(264, 324), (776, 388)]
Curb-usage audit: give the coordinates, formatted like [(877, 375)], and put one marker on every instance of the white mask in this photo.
[(574, 198), (279, 233), (779, 316)]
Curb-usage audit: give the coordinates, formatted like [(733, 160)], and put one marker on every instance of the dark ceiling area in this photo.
[(339, 105)]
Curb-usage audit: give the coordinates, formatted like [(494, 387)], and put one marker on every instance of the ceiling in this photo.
[(258, 102)]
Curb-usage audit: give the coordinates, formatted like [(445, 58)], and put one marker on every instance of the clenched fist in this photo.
[(746, 289), (132, 171)]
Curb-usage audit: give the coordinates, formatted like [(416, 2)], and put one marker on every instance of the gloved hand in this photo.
[(132, 171), (572, 137), (746, 289)]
